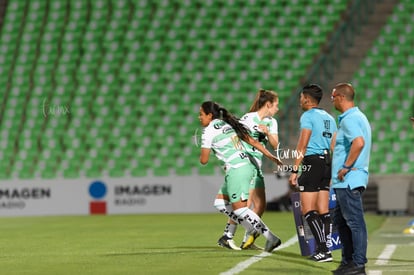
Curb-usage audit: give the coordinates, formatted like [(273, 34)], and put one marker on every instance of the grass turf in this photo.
[(145, 244)]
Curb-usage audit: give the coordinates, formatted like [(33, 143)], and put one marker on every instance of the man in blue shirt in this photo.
[(350, 163), (317, 129)]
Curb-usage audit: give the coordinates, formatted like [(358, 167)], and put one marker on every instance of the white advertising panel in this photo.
[(114, 196), (28, 198)]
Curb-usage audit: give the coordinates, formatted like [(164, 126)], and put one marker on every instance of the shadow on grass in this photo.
[(182, 250), (302, 264), (195, 249)]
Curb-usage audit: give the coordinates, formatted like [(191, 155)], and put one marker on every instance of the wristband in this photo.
[(347, 167), (294, 171)]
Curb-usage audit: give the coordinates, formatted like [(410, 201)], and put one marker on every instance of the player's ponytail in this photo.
[(261, 98), (219, 112)]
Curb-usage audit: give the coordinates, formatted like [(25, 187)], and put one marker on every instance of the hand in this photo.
[(342, 173), (264, 129), (293, 179), (277, 161)]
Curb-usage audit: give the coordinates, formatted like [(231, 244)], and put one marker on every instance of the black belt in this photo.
[(313, 156), (325, 157)]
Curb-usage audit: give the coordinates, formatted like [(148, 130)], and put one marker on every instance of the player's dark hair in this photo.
[(219, 112), (314, 91), (261, 98)]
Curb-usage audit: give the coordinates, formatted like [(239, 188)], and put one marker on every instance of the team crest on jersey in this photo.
[(218, 125), (227, 130)]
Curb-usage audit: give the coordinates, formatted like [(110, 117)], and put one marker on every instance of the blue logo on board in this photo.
[(97, 190)]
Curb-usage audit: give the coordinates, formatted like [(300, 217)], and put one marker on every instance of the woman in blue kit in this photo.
[(317, 130)]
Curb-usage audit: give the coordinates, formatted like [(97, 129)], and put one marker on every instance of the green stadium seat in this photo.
[(388, 60), (207, 170), (4, 174), (114, 61)]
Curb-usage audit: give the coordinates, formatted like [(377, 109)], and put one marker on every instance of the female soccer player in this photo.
[(223, 134), (263, 128)]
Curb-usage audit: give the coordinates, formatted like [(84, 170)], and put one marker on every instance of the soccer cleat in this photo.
[(252, 247), (227, 242), (409, 230), (272, 244), (250, 240), (233, 245), (321, 257), (255, 247)]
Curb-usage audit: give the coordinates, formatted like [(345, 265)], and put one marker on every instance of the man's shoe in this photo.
[(342, 267), (321, 257), (250, 240), (355, 270), (227, 242), (349, 269), (272, 244)]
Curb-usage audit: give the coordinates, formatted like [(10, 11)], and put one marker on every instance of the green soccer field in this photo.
[(173, 244)]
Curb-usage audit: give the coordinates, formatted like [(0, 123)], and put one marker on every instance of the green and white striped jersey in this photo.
[(252, 121), (221, 138)]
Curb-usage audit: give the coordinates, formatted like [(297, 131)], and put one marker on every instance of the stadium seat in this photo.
[(137, 69), (387, 59)]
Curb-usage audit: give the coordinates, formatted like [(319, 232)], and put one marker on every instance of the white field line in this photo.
[(383, 258), (245, 264), (386, 254)]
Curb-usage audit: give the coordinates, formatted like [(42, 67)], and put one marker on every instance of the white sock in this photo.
[(230, 230), (224, 207), (246, 236), (252, 222)]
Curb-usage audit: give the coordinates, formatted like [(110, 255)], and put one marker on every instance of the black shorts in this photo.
[(317, 175)]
